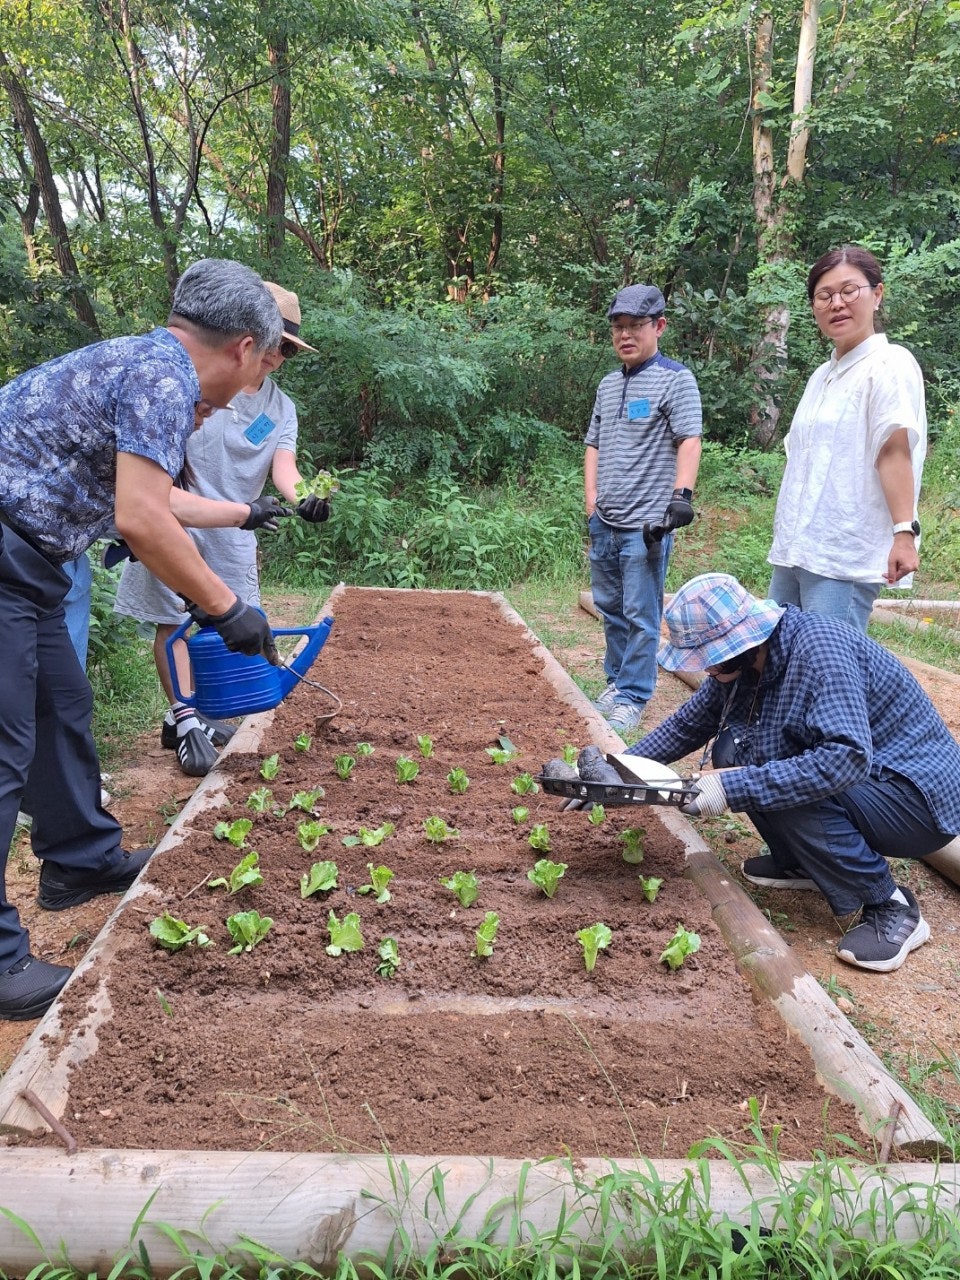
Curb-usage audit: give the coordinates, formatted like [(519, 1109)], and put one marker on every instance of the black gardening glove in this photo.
[(313, 509), (242, 629), (115, 553), (265, 514), (679, 510)]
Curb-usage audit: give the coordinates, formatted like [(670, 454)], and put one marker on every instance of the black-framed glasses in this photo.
[(630, 326), (849, 293), (288, 349)]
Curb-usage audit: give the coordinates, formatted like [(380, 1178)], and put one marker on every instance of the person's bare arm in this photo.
[(590, 462), (895, 469), (206, 513), (688, 462), (285, 474)]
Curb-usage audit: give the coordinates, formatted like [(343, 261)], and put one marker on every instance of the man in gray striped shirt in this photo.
[(640, 468)]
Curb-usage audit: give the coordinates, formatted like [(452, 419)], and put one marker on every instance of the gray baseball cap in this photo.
[(637, 300)]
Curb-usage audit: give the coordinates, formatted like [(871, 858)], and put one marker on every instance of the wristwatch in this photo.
[(908, 526)]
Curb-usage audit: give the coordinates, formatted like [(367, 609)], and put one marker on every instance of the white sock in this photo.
[(897, 896)]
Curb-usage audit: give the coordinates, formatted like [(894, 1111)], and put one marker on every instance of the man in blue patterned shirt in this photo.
[(826, 742), (92, 441)]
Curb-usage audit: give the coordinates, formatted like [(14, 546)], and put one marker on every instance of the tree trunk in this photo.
[(49, 196), (278, 55)]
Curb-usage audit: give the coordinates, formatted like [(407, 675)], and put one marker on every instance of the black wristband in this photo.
[(684, 493)]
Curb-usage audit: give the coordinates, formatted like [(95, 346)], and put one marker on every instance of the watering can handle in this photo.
[(179, 634)]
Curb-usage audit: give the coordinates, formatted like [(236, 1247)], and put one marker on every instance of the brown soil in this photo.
[(519, 1054)]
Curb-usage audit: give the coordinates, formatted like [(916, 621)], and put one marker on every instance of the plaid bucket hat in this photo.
[(713, 618)]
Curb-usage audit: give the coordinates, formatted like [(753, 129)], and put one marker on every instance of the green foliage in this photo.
[(682, 944), (594, 938), (486, 935), (173, 934), (248, 929), (245, 875), (321, 878), (380, 878), (465, 885), (345, 934), (546, 875)]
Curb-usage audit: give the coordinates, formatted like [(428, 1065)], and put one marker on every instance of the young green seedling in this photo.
[(425, 743), (406, 769), (323, 485), (651, 887), (632, 840), (598, 814), (174, 934), (539, 837), (369, 838), (520, 813), (569, 754), (345, 934), (310, 834), (380, 878), (593, 939), (546, 875), (465, 885), (437, 831), (486, 935), (236, 832), (344, 766), (389, 955), (259, 800), (302, 742), (306, 800), (524, 785), (245, 875), (458, 781), (270, 767), (499, 756), (321, 877), (682, 944), (364, 748), (247, 929)]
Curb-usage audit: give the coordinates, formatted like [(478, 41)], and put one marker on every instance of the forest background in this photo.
[(456, 190)]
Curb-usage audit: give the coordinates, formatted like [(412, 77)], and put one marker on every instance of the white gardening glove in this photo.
[(710, 800)]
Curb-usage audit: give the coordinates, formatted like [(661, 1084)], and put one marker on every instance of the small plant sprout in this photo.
[(369, 837), (321, 877), (260, 800), (465, 885), (437, 831), (364, 748), (174, 934), (569, 754), (380, 878), (539, 837), (682, 944), (247, 929), (245, 875), (270, 767), (632, 840), (323, 485), (546, 875), (344, 766), (520, 813), (598, 815), (524, 785), (236, 832), (310, 834), (306, 801), (425, 743), (650, 885), (458, 781), (486, 935), (345, 934), (302, 742), (593, 940), (406, 769), (389, 958)]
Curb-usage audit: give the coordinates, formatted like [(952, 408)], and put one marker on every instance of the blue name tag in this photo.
[(259, 429), (637, 409)]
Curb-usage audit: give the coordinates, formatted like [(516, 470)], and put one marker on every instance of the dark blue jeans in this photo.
[(843, 842)]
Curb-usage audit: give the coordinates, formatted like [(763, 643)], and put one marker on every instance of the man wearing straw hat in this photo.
[(228, 461), (826, 742)]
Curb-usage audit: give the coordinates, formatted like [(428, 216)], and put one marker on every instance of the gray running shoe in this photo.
[(625, 717), (886, 935)]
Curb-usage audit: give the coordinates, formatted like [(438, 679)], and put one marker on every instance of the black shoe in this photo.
[(29, 988), (218, 731), (886, 935), (765, 872), (196, 754), (62, 887)]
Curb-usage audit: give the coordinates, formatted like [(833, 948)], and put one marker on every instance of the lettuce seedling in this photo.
[(593, 940), (245, 875), (344, 766), (321, 877), (302, 742), (247, 929), (389, 955), (345, 934), (406, 768), (520, 813), (651, 887), (501, 756), (174, 934), (259, 800), (682, 944), (546, 875), (437, 830), (524, 785), (235, 832), (425, 743), (458, 781), (380, 877), (632, 840), (310, 834), (598, 814), (539, 837), (323, 485), (569, 754), (486, 935), (369, 838), (270, 767), (465, 885), (306, 800), (364, 748)]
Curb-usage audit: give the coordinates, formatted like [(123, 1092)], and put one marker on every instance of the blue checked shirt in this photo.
[(832, 709)]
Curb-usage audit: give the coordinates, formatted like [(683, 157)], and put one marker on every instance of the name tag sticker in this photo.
[(259, 429), (637, 409)]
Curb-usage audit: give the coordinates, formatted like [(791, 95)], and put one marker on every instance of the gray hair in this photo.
[(228, 298)]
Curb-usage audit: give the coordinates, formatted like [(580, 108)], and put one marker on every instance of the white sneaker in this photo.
[(625, 717)]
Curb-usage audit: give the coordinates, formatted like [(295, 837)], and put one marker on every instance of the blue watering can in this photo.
[(229, 684)]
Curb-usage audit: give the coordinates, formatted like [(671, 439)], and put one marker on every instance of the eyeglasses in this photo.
[(849, 293), (630, 326), (288, 349)]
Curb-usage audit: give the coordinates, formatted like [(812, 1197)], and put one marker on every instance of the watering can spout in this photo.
[(291, 673)]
